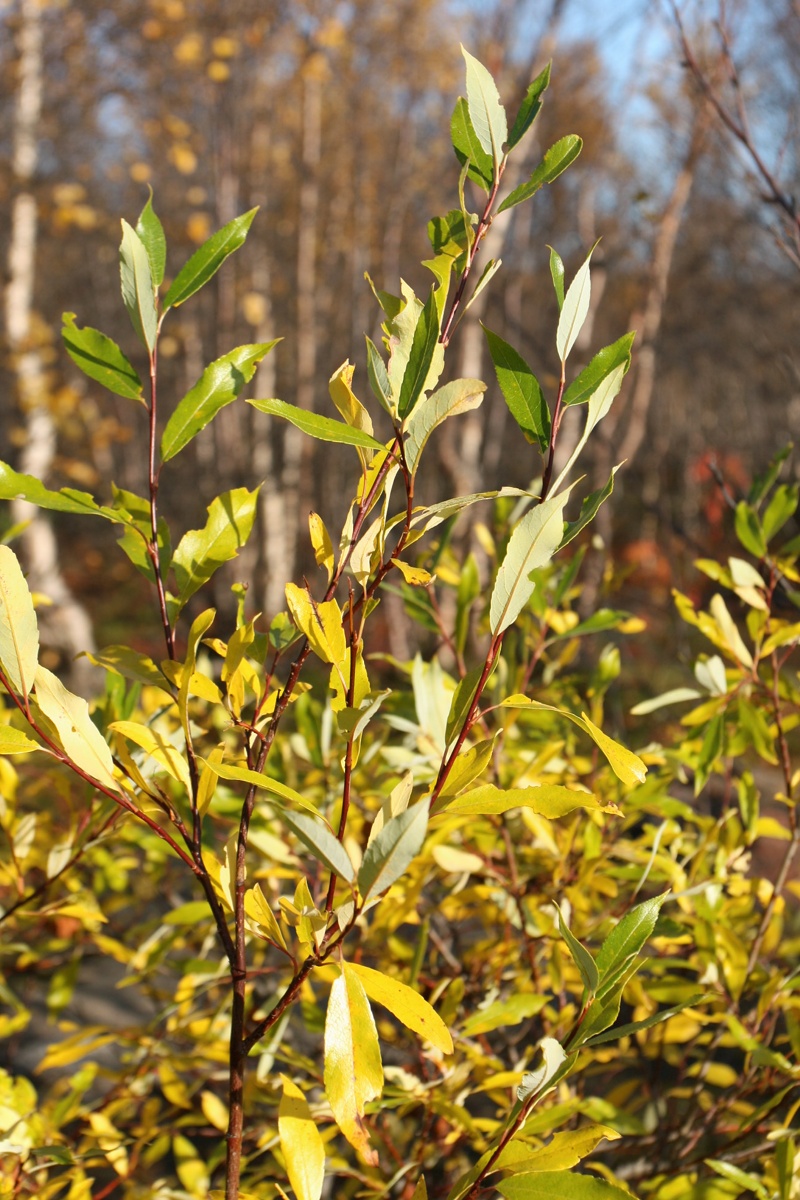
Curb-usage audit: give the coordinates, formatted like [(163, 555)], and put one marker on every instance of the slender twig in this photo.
[(483, 228), (153, 476)]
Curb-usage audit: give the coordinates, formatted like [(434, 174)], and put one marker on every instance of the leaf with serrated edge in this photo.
[(574, 310), (404, 1003), (301, 1145), (220, 383), (137, 286), (353, 1069), (100, 358), (81, 740), (388, 855), (19, 631), (532, 544), (208, 258), (486, 112)]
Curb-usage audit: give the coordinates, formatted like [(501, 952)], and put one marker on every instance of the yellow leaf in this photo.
[(157, 747), (321, 623), (257, 909), (81, 740), (109, 1140), (19, 632), (208, 780), (301, 1143), (564, 1150), (214, 1111), (731, 636), (189, 1167), (453, 860), (321, 543), (416, 576), (404, 1003), (353, 1069), (626, 765), (350, 406)]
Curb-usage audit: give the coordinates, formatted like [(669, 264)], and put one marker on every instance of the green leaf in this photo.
[(128, 663), (353, 1069), (16, 486), (532, 544), (486, 112), (557, 275), (627, 938), (462, 701), (551, 800), (529, 109), (151, 233), (101, 359), (468, 147), (423, 347), (556, 160), (201, 552), (566, 1185), (764, 482), (220, 383), (388, 855), (14, 741), (460, 396), (575, 310), (19, 630), (450, 234), (589, 508), (264, 782), (521, 391), (137, 286), (207, 260), (580, 956), (743, 1179), (749, 531), (503, 1013), (601, 366), (620, 1031), (404, 1003), (301, 1145), (81, 740), (781, 507), (315, 834), (326, 429), (378, 377)]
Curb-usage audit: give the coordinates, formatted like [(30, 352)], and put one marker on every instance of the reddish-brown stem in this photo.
[(554, 428), (348, 754), (152, 479), (483, 228), (472, 716)]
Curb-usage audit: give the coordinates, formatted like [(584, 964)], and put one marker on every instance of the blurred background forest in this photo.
[(333, 117)]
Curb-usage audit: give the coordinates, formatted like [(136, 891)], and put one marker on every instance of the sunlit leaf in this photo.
[(556, 160), (137, 286), (316, 835), (353, 1069), (521, 391), (325, 429), (486, 112), (151, 232), (206, 261), (532, 544), (407, 1005), (468, 147), (81, 740), (301, 1144), (574, 310), (389, 854), (100, 358), (529, 109), (551, 800), (19, 630), (546, 1185), (459, 396), (201, 552)]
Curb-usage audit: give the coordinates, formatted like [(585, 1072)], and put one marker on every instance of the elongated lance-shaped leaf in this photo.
[(158, 747), (567, 1185), (521, 391), (529, 109), (423, 347), (16, 486), (404, 1003), (151, 232), (459, 396), (589, 509), (602, 365), (556, 160), (80, 739), (137, 286), (207, 260), (574, 310), (665, 1014), (101, 359), (389, 854), (301, 1145), (532, 544), (627, 938), (353, 1068), (580, 956), (557, 275), (19, 631), (486, 112), (315, 834), (378, 377), (550, 800), (325, 429), (468, 147), (281, 791), (220, 383)]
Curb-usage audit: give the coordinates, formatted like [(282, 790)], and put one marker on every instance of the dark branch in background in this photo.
[(735, 119)]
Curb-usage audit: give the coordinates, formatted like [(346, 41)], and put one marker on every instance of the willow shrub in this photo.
[(417, 930)]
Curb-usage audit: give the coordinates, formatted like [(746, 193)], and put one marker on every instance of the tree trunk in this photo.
[(65, 626)]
